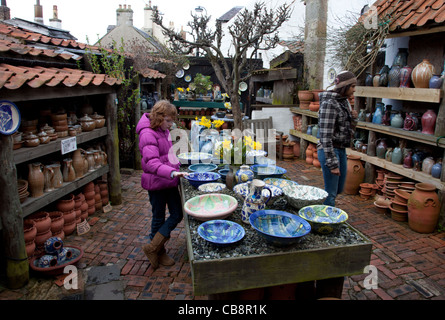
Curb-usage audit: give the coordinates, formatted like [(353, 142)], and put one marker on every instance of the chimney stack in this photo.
[(124, 16), (38, 13), (5, 12), (55, 21)]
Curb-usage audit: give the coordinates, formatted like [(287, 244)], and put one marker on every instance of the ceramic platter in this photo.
[(211, 187), (9, 117), (186, 66), (210, 206), (180, 73), (242, 86), (221, 232), (188, 78), (323, 219)]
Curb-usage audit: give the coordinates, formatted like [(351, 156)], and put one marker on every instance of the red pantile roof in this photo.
[(13, 77), (411, 14)]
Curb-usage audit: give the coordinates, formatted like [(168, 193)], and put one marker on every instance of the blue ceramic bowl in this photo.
[(280, 183), (198, 178), (223, 173), (203, 167), (221, 232), (265, 171), (279, 228), (323, 219)]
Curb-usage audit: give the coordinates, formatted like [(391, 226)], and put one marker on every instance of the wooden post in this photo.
[(112, 143), (17, 266)]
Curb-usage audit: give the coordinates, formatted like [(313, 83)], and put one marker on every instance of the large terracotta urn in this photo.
[(423, 208), (422, 74), (354, 175)]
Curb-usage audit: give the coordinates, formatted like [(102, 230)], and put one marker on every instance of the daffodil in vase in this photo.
[(237, 151), (208, 135)]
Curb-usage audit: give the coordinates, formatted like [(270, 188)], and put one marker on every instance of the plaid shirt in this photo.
[(336, 125)]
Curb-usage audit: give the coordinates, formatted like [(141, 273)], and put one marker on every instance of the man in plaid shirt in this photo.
[(336, 121)]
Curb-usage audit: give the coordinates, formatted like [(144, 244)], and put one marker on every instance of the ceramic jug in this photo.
[(436, 169), (48, 174), (91, 162), (244, 174), (57, 180), (36, 179), (69, 174), (378, 114), (78, 162), (397, 121), (381, 148), (397, 156), (255, 200), (405, 77)]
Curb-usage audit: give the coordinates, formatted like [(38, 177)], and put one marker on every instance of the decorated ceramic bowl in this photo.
[(242, 190), (323, 219), (279, 228), (299, 196), (267, 171), (212, 187), (203, 167), (210, 206), (280, 183), (223, 173), (58, 268), (194, 157), (198, 178), (221, 232)]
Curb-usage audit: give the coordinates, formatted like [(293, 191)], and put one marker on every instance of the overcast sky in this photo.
[(92, 17)]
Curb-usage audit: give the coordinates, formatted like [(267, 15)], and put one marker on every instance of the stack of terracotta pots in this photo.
[(66, 206), (399, 205), (57, 224), (97, 198), (79, 199), (60, 124), (83, 206), (30, 232), (89, 193), (43, 226), (305, 97), (103, 186)]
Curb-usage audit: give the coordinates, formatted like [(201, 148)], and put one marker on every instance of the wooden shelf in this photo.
[(399, 169), (407, 94), (25, 154), (31, 205), (305, 112), (304, 136), (404, 134)]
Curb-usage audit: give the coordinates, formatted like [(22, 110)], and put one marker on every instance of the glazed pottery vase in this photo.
[(423, 208), (422, 74), (48, 174), (58, 176), (436, 81), (436, 169), (394, 76), (244, 174), (397, 156), (354, 175), (368, 80), (417, 163), (429, 122), (78, 163), (47, 261), (410, 123), (397, 121), (388, 154), (381, 148), (383, 81), (376, 80), (401, 57), (53, 245), (408, 160), (405, 77), (378, 113), (315, 130), (427, 165), (254, 200), (362, 115), (36, 179), (63, 255), (68, 170)]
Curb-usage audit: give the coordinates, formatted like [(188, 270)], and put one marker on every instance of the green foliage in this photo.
[(202, 83)]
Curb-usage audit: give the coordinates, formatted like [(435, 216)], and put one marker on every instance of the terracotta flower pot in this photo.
[(66, 204), (69, 228), (29, 230), (355, 174), (30, 248), (69, 217), (57, 221), (305, 95), (42, 237), (42, 221)]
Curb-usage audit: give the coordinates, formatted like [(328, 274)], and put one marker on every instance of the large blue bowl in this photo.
[(221, 232), (203, 167), (323, 219), (267, 171), (279, 228), (198, 178)]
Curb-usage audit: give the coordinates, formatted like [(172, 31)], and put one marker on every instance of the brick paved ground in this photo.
[(411, 266)]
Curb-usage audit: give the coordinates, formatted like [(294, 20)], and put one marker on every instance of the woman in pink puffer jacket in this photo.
[(160, 178)]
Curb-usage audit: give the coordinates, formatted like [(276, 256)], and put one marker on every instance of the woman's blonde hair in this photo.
[(162, 109)]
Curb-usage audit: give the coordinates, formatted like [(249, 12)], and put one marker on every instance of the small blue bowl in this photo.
[(198, 178), (265, 171), (223, 173), (221, 232), (279, 228), (203, 167)]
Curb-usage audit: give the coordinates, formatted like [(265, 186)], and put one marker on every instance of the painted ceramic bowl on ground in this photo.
[(221, 232), (212, 187), (203, 167), (210, 206), (194, 157), (280, 183), (198, 178), (279, 228), (299, 196), (242, 190), (77, 254), (262, 171), (323, 219)]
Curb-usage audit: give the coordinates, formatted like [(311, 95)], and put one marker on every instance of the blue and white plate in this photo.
[(9, 117)]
